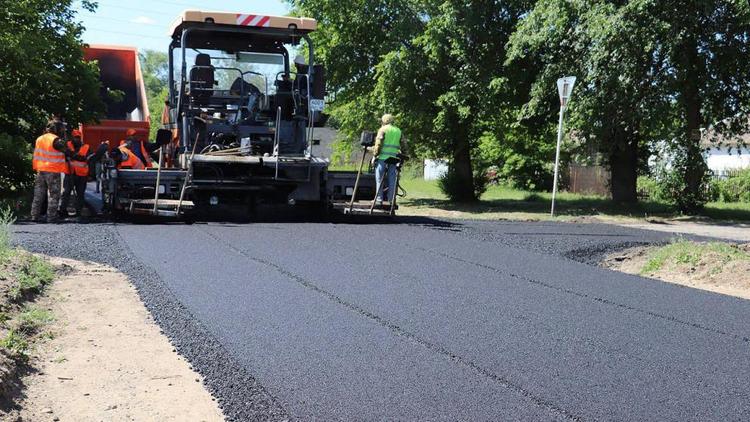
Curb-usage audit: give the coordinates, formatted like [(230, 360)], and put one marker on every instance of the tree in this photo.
[(436, 64), (615, 105), (43, 72), (706, 48), (43, 68), (647, 74), (351, 39), (448, 83), (155, 70)]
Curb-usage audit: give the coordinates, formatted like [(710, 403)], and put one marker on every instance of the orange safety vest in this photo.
[(46, 157), (145, 154), (133, 162), (80, 168)]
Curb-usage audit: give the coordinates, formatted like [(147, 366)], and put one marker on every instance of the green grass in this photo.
[(32, 319), (35, 273), (6, 220), (505, 202), (16, 343), (683, 252)]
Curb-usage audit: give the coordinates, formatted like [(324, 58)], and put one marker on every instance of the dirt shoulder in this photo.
[(106, 358), (699, 227), (717, 267)]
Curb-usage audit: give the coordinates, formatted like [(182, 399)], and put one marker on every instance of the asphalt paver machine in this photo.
[(242, 113)]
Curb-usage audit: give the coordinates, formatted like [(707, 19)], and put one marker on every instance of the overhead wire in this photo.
[(127, 33)]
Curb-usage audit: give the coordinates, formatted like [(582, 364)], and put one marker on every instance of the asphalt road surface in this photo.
[(427, 321)]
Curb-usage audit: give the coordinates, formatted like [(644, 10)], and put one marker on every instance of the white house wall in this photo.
[(720, 161)]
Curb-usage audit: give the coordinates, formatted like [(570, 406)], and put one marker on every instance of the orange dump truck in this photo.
[(120, 71)]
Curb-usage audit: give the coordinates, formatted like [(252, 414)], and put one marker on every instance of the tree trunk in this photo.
[(689, 78), (623, 164), (462, 163)]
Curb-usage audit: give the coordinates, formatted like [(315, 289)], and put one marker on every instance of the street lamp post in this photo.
[(565, 89)]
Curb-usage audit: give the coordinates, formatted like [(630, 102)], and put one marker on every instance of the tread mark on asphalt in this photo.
[(540, 402), (587, 296)]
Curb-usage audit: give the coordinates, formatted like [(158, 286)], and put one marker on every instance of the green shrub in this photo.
[(32, 319), (650, 187), (6, 220), (454, 188), (672, 178), (34, 275), (15, 343), (16, 174), (735, 188)]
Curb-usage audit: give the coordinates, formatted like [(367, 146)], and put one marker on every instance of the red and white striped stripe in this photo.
[(253, 20)]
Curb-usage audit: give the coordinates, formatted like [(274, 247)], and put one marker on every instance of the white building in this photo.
[(726, 156), (722, 161)]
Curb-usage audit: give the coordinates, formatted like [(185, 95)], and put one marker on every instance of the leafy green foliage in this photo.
[(437, 65), (735, 188), (454, 188), (646, 74), (650, 188), (477, 84), (15, 343), (42, 73), (43, 69), (676, 188), (155, 70), (16, 173)]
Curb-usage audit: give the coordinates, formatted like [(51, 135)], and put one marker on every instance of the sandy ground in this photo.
[(732, 279), (721, 230), (717, 229), (108, 361)]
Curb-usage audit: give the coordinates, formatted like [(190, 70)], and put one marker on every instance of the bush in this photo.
[(16, 174), (672, 179), (650, 188), (455, 188), (736, 188)]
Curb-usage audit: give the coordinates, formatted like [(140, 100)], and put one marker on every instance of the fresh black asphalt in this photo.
[(427, 320)]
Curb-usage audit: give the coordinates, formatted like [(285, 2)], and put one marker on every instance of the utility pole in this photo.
[(565, 89)]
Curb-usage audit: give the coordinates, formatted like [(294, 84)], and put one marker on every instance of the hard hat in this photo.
[(387, 119), (300, 60), (76, 133), (130, 132)]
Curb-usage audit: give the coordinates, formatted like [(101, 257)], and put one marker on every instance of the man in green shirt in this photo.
[(388, 145)]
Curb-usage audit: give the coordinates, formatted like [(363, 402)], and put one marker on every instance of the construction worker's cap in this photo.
[(387, 119), (300, 60), (130, 132), (76, 133)]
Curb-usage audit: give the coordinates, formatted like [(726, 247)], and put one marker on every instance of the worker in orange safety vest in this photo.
[(80, 160), (141, 149), (50, 163), (126, 159)]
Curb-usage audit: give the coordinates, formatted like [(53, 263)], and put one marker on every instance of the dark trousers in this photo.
[(77, 183), (46, 187)]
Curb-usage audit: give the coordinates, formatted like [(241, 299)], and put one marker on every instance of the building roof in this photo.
[(710, 138)]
